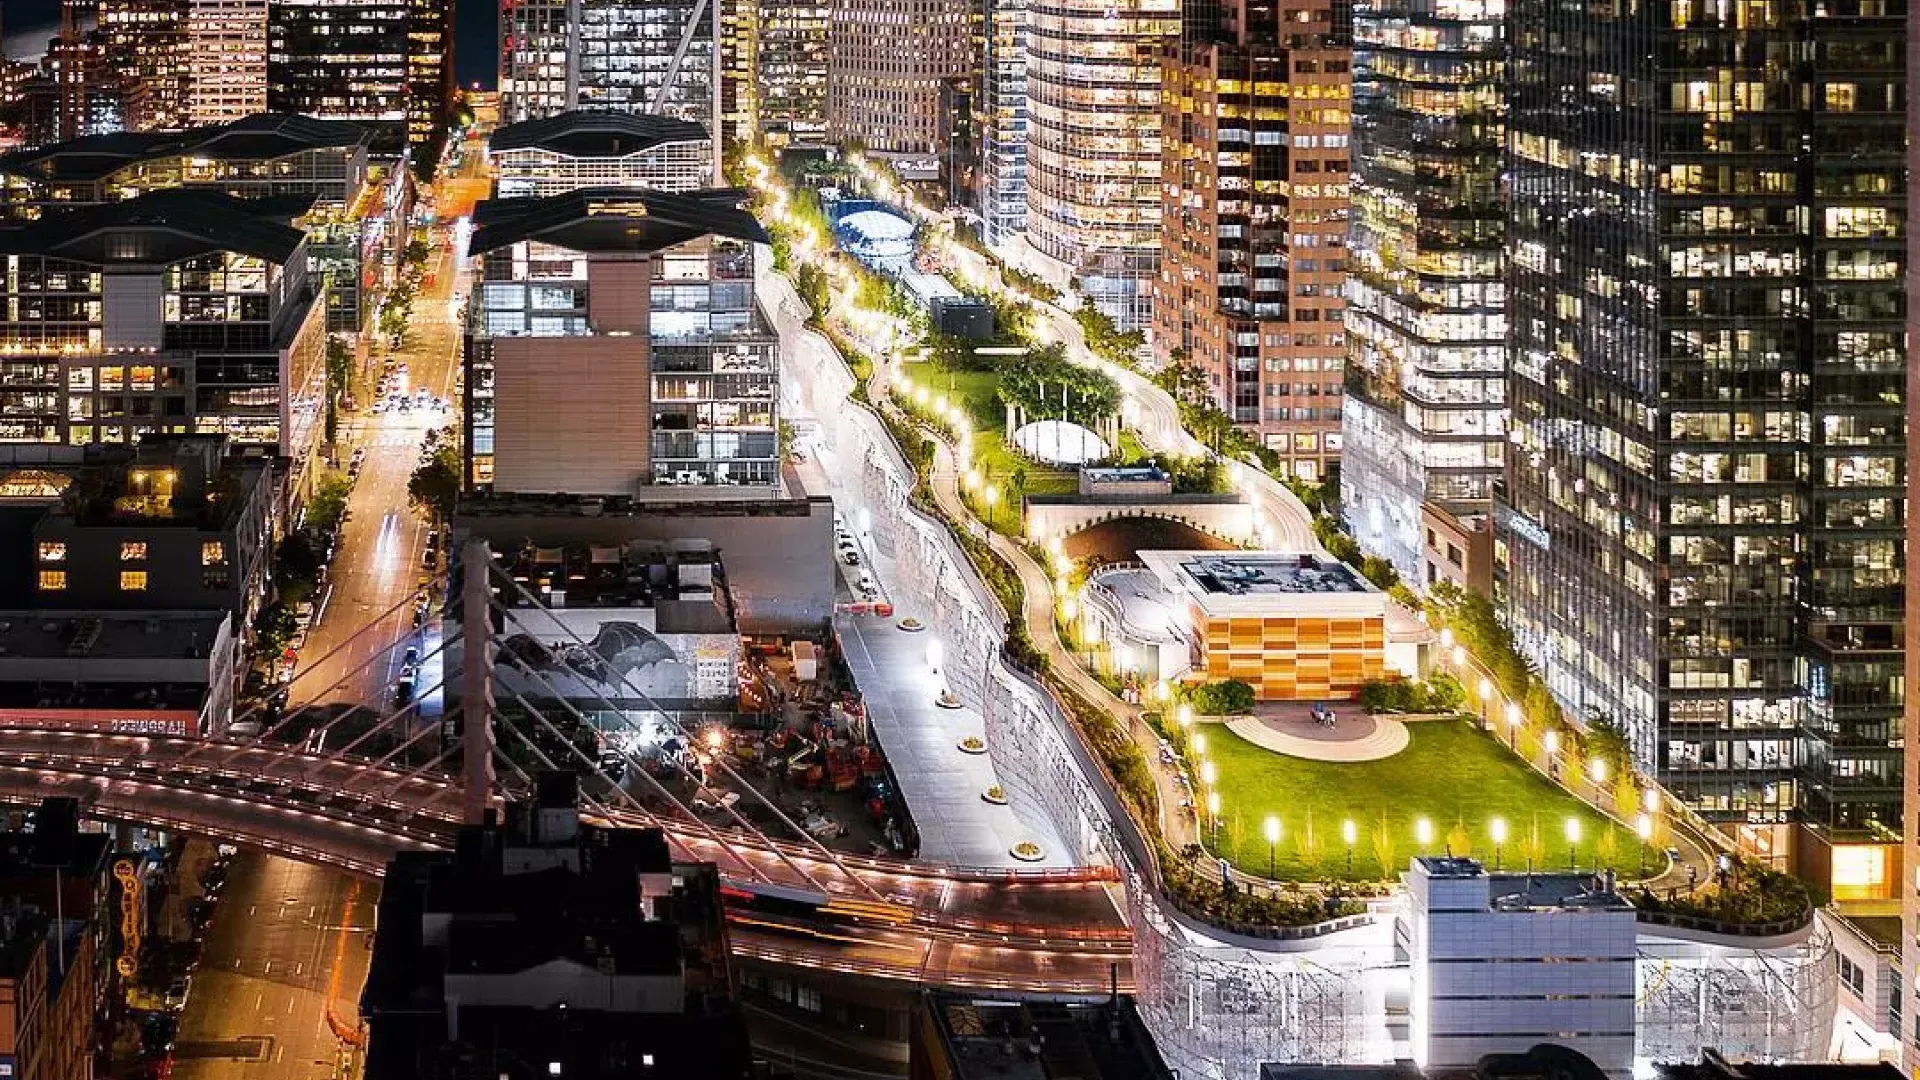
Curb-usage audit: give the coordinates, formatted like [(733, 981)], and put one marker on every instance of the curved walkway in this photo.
[(1360, 738)]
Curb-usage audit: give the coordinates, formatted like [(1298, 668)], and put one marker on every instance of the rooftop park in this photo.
[(1453, 790)]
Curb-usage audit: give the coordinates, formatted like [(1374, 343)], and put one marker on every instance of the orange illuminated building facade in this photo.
[(1294, 627)]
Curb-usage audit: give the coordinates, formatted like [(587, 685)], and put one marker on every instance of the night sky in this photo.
[(475, 41)]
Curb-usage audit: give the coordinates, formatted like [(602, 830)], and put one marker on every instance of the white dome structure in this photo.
[(877, 234), (1060, 442)]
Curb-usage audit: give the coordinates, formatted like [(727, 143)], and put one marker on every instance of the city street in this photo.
[(287, 939), (290, 940)]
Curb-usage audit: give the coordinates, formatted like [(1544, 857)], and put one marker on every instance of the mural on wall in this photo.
[(621, 660)]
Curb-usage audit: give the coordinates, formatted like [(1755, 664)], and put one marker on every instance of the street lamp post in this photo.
[(1273, 842), (1573, 843), (1514, 718), (1643, 827), (1347, 833), (1486, 700), (1213, 813), (1498, 827)]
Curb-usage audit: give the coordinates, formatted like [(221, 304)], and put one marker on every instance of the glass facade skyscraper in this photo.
[(1003, 123), (1701, 528), (1425, 413), (633, 56)]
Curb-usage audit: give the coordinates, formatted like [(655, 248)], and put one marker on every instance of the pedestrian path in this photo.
[(1356, 737)]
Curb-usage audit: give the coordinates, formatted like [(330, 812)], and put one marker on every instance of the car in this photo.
[(177, 992), (850, 556), (411, 658), (865, 582)]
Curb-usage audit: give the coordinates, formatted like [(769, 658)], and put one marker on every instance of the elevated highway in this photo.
[(1043, 931)]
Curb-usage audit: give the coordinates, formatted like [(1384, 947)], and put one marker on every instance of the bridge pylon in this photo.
[(476, 681)]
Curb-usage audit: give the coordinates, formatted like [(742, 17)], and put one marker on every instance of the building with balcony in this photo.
[(355, 223), (658, 57), (614, 347), (176, 312), (1701, 530), (547, 941), (581, 149), (145, 42), (1423, 435), (1253, 198), (1093, 84), (888, 65)]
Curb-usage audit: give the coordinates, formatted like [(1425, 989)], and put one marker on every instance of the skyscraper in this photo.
[(636, 56), (1254, 211), (1003, 122), (774, 71), (1093, 144), (226, 60), (888, 63), (429, 87), (1703, 513), (338, 59), (1423, 432), (145, 42)]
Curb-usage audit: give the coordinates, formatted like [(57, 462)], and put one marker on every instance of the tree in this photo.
[(296, 567), (435, 483), (328, 506), (273, 628), (784, 433), (1383, 846), (1459, 842), (1230, 697), (1017, 484), (339, 370), (418, 250)]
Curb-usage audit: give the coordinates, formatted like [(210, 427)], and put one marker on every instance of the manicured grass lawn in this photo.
[(1451, 774), (988, 419)]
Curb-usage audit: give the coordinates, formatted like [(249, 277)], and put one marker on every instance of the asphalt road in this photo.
[(290, 940), (287, 940)]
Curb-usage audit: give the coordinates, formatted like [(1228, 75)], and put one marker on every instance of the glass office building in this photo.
[(1425, 412), (1701, 528)]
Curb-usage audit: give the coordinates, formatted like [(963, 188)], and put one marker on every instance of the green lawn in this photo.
[(991, 455), (1451, 774)]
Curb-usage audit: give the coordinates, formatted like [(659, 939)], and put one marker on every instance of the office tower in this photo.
[(430, 84), (226, 60), (635, 56), (338, 59), (887, 64), (1907, 994), (1702, 517), (789, 72), (615, 349), (1002, 130), (177, 312), (1254, 212), (145, 42), (739, 38), (1093, 144), (1424, 427), (576, 150)]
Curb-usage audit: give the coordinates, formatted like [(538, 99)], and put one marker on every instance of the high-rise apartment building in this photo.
[(889, 67), (1002, 128), (1703, 511), (1423, 432), (339, 59), (788, 72), (614, 347), (1093, 144), (636, 56), (226, 60), (1254, 217)]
